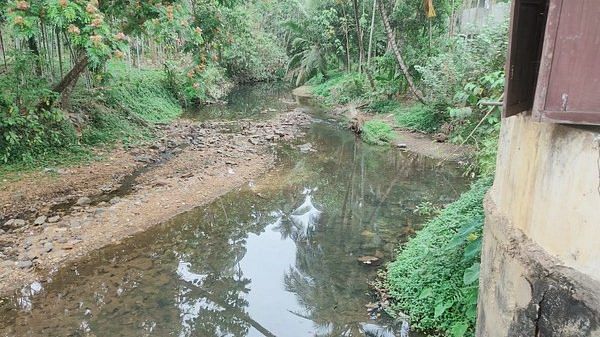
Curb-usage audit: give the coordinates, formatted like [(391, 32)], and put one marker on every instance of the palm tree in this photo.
[(308, 53)]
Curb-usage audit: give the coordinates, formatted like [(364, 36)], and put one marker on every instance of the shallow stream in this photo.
[(279, 257)]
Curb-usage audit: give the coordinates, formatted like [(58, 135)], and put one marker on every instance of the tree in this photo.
[(397, 53)]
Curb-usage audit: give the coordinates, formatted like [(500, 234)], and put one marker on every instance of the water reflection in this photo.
[(278, 258), (247, 101)]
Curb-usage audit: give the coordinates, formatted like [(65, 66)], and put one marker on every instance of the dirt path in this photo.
[(52, 218)]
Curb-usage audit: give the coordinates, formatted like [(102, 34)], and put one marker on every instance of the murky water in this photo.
[(276, 258), (254, 101)]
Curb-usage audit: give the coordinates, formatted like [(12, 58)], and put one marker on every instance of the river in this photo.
[(278, 257)]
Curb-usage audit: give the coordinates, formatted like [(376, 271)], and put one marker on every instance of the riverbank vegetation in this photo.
[(80, 73)]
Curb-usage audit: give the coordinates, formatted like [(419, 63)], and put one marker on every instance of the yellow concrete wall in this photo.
[(548, 186), (540, 262)]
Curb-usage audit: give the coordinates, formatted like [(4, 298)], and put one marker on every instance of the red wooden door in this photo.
[(568, 89)]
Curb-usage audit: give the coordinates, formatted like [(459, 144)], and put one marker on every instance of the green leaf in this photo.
[(427, 292), (471, 274), (459, 329), (472, 250), (441, 308)]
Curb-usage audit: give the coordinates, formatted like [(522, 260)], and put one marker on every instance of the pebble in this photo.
[(25, 264), (53, 219), (14, 223), (40, 220), (84, 201), (48, 247)]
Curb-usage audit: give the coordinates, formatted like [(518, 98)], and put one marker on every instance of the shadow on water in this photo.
[(275, 258)]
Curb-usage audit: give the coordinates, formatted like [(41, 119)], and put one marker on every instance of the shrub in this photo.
[(384, 106), (420, 118), (342, 88), (142, 93), (25, 136), (434, 278), (377, 132)]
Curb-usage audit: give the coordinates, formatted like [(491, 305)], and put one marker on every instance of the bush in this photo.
[(377, 132), (142, 93), (25, 136), (342, 88), (419, 118), (28, 130), (434, 278), (384, 106)]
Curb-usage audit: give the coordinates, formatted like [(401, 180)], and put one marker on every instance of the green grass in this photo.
[(384, 106), (419, 117), (123, 111), (433, 279), (377, 132), (142, 93)]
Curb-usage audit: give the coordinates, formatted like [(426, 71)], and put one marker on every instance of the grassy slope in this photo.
[(426, 279), (124, 111)]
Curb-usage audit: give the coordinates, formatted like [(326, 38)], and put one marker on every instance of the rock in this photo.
[(75, 224), (8, 224), (27, 243), (370, 260), (160, 183), (14, 224), (144, 159), (53, 219), (53, 170), (115, 200), (440, 137), (27, 264), (401, 146), (306, 148), (40, 220), (84, 201), (48, 247)]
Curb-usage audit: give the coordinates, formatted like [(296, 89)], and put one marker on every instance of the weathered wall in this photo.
[(473, 20), (540, 271)]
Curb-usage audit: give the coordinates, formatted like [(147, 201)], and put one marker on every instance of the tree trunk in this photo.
[(3, 51), (371, 33), (67, 84), (34, 49), (359, 36), (59, 49), (394, 46), (348, 62)]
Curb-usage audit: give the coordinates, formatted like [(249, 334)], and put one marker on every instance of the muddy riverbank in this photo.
[(54, 217)]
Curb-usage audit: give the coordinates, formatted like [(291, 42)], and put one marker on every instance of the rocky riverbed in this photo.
[(55, 216)]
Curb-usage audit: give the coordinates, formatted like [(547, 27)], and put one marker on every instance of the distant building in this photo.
[(477, 14), (540, 271)]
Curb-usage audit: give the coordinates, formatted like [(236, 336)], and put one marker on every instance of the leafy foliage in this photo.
[(342, 88), (434, 278), (377, 132), (419, 117)]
